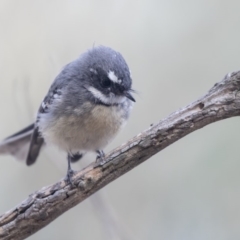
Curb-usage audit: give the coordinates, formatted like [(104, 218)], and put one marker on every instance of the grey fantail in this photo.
[(85, 107)]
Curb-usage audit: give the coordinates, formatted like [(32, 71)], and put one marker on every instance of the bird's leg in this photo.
[(100, 156), (70, 172)]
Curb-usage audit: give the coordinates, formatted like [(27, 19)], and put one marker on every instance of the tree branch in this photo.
[(42, 207)]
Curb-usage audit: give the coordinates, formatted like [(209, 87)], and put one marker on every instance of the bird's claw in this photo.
[(100, 156), (68, 178)]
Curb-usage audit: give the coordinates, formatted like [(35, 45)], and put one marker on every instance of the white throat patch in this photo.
[(111, 99)]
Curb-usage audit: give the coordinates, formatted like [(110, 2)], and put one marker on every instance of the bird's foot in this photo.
[(100, 156), (68, 178), (70, 172)]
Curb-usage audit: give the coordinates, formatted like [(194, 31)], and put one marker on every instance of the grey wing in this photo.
[(36, 139), (35, 146), (26, 144)]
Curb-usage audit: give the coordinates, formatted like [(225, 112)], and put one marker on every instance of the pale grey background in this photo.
[(176, 50)]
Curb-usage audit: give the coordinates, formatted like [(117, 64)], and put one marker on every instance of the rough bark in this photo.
[(42, 207)]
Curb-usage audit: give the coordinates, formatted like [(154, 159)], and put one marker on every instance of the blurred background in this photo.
[(176, 51)]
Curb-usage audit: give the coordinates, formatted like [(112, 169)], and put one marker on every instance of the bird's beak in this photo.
[(129, 96)]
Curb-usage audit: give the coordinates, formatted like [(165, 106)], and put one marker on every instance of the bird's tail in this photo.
[(17, 144)]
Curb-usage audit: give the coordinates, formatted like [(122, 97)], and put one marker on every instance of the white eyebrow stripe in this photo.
[(104, 99), (113, 77)]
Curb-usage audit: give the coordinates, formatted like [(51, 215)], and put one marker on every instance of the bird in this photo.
[(87, 104)]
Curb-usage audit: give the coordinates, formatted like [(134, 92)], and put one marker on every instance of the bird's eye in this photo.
[(105, 83)]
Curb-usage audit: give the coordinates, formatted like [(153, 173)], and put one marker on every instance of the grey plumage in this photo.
[(88, 102)]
